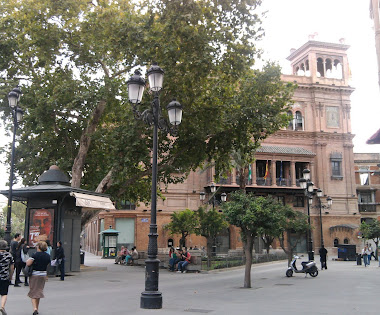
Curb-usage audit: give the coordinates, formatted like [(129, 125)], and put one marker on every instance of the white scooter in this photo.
[(308, 267)]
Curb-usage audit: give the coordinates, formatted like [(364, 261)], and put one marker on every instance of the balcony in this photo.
[(287, 182), (261, 181), (367, 207)]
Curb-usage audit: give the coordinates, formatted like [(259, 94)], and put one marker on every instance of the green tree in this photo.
[(210, 224), (17, 218), (73, 57), (276, 220), (253, 215), (294, 229), (258, 109), (371, 231), (182, 223)]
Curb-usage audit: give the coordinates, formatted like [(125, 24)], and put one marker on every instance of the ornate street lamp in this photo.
[(151, 298), (321, 206), (308, 187), (223, 196), (17, 113)]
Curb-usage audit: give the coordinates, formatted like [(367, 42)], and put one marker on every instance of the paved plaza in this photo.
[(106, 288)]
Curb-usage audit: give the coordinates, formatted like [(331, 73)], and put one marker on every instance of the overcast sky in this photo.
[(288, 25)]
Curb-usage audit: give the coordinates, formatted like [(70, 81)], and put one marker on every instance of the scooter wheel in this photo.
[(314, 273), (289, 273)]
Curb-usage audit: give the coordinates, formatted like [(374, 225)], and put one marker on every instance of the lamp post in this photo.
[(151, 298), (308, 187), (17, 112), (202, 196), (223, 198), (213, 190), (322, 206)]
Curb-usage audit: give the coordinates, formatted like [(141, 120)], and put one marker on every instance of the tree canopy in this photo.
[(254, 215), (72, 59), (371, 231), (182, 223)]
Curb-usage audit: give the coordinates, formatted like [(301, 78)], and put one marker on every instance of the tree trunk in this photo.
[(84, 144), (105, 183), (288, 251), (243, 171), (248, 244), (182, 242)]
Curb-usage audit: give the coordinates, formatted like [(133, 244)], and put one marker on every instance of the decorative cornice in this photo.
[(315, 135)]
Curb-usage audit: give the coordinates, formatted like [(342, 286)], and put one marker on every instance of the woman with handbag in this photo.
[(39, 260), (21, 258)]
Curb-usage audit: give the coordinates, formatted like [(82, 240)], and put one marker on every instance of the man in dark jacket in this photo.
[(323, 255), (13, 250), (60, 256)]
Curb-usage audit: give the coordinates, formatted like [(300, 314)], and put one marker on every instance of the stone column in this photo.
[(293, 173), (253, 166), (273, 172), (233, 176)]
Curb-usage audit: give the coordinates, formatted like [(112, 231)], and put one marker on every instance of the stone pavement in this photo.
[(106, 288)]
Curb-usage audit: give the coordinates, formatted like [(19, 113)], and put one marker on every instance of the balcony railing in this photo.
[(284, 182), (261, 181), (367, 207)]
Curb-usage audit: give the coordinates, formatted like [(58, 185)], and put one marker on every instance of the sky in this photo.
[(288, 24)]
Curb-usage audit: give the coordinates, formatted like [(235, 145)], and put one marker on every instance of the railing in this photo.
[(261, 181), (284, 182), (225, 181), (224, 261), (367, 207)]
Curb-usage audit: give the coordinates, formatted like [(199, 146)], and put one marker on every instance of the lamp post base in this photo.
[(151, 300)]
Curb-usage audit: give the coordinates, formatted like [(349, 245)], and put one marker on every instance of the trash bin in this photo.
[(347, 252), (82, 257), (358, 259)]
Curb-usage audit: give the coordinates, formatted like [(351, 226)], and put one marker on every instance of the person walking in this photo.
[(40, 260), (323, 257), (23, 249), (60, 256), (6, 272), (19, 263), (365, 256), (13, 249)]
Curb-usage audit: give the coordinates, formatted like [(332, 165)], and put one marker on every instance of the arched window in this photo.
[(320, 68), (336, 242), (338, 70), (329, 68), (346, 241), (298, 121)]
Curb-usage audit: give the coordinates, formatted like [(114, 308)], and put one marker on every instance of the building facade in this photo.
[(367, 175), (318, 138)]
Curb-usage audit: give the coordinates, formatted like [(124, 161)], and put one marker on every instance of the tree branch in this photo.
[(85, 141)]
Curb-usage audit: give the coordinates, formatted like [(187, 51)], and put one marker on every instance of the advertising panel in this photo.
[(41, 226)]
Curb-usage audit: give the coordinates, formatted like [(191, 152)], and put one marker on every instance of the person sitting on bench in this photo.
[(133, 255), (122, 254)]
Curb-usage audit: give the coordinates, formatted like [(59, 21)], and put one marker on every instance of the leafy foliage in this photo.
[(182, 223), (17, 219), (371, 230), (255, 216), (296, 225), (72, 58), (210, 224)]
